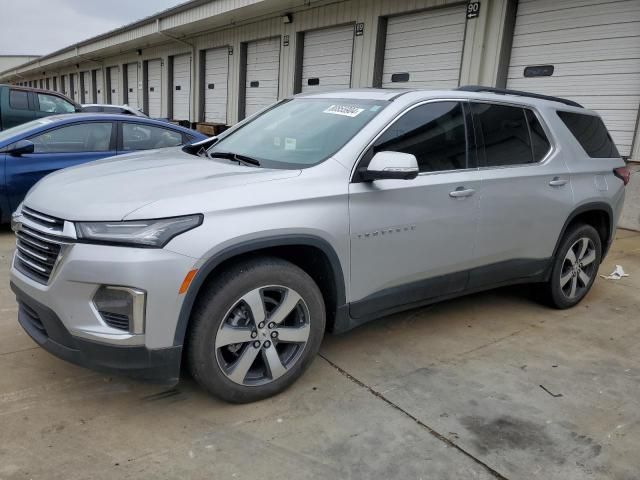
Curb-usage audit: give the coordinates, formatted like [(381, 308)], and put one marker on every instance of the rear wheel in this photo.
[(255, 330), (575, 267)]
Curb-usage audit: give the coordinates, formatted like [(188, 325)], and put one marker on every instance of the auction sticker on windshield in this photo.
[(346, 110)]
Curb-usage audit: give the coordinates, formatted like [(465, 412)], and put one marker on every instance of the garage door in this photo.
[(424, 49), (64, 89), (594, 49), (154, 88), (263, 65), (326, 59), (132, 85), (87, 88), (99, 86), (75, 87), (181, 87), (216, 73), (114, 91)]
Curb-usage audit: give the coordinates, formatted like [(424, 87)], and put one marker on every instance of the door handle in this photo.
[(462, 192), (558, 182)]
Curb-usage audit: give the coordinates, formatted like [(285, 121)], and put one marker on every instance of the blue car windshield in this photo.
[(299, 133), (23, 128)]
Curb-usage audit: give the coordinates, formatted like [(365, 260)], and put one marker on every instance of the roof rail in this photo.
[(504, 91)]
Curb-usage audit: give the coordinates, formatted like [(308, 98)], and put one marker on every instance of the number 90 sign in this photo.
[(473, 9)]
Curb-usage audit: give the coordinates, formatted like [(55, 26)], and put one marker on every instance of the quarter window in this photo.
[(18, 100), (591, 133), (435, 133), (136, 136), (86, 137)]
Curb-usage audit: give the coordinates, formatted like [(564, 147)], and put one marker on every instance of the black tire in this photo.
[(557, 295), (215, 306)]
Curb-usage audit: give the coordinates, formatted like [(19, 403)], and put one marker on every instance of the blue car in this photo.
[(32, 150)]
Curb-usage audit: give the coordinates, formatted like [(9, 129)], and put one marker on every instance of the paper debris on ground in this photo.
[(617, 274)]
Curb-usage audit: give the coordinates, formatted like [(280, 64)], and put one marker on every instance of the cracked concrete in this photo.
[(452, 391)]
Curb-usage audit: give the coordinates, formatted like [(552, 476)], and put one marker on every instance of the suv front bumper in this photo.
[(160, 365)]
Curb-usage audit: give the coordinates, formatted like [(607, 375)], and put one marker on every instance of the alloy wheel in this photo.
[(578, 268), (262, 335)]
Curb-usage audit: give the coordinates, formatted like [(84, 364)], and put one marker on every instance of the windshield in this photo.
[(24, 127), (299, 133)]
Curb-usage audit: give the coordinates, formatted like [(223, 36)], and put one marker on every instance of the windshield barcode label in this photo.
[(346, 110)]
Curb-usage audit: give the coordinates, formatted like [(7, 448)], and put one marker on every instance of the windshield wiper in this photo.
[(236, 157)]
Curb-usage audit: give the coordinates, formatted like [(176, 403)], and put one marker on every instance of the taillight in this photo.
[(623, 173)]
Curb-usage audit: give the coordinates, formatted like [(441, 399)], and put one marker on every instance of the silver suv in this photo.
[(318, 214)]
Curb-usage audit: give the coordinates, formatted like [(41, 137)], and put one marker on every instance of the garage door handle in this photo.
[(462, 192), (558, 182)]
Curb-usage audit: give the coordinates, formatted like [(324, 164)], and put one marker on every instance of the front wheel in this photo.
[(575, 267), (255, 330)]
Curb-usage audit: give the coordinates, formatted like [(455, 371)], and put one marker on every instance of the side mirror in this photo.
[(21, 147), (391, 165)]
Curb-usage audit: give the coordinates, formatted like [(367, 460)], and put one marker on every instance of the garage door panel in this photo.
[(327, 57), (595, 50), (87, 87), (583, 68), (615, 48), (594, 12), (427, 45), (181, 96), (263, 66), (578, 33), (100, 93), (154, 88), (216, 74), (528, 7), (132, 85), (115, 87)]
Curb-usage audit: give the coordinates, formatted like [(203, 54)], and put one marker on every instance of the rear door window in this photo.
[(539, 141), (18, 100), (505, 134), (136, 136), (591, 133)]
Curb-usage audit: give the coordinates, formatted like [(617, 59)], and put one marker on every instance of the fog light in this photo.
[(121, 307)]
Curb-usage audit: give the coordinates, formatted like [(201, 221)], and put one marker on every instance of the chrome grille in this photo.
[(47, 221), (38, 245)]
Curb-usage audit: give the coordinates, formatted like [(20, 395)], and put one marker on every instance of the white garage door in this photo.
[(99, 87), (263, 65), (132, 85), (114, 91), (154, 88), (326, 59), (75, 84), (87, 87), (216, 73), (181, 87), (594, 48), (424, 49)]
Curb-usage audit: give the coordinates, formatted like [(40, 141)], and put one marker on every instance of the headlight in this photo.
[(146, 233)]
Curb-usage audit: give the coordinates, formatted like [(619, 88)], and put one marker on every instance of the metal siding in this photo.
[(263, 66), (216, 74), (426, 45), (595, 50), (327, 56), (181, 87), (132, 85), (154, 81), (115, 90)]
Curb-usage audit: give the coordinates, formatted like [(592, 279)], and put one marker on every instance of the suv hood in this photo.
[(112, 188)]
